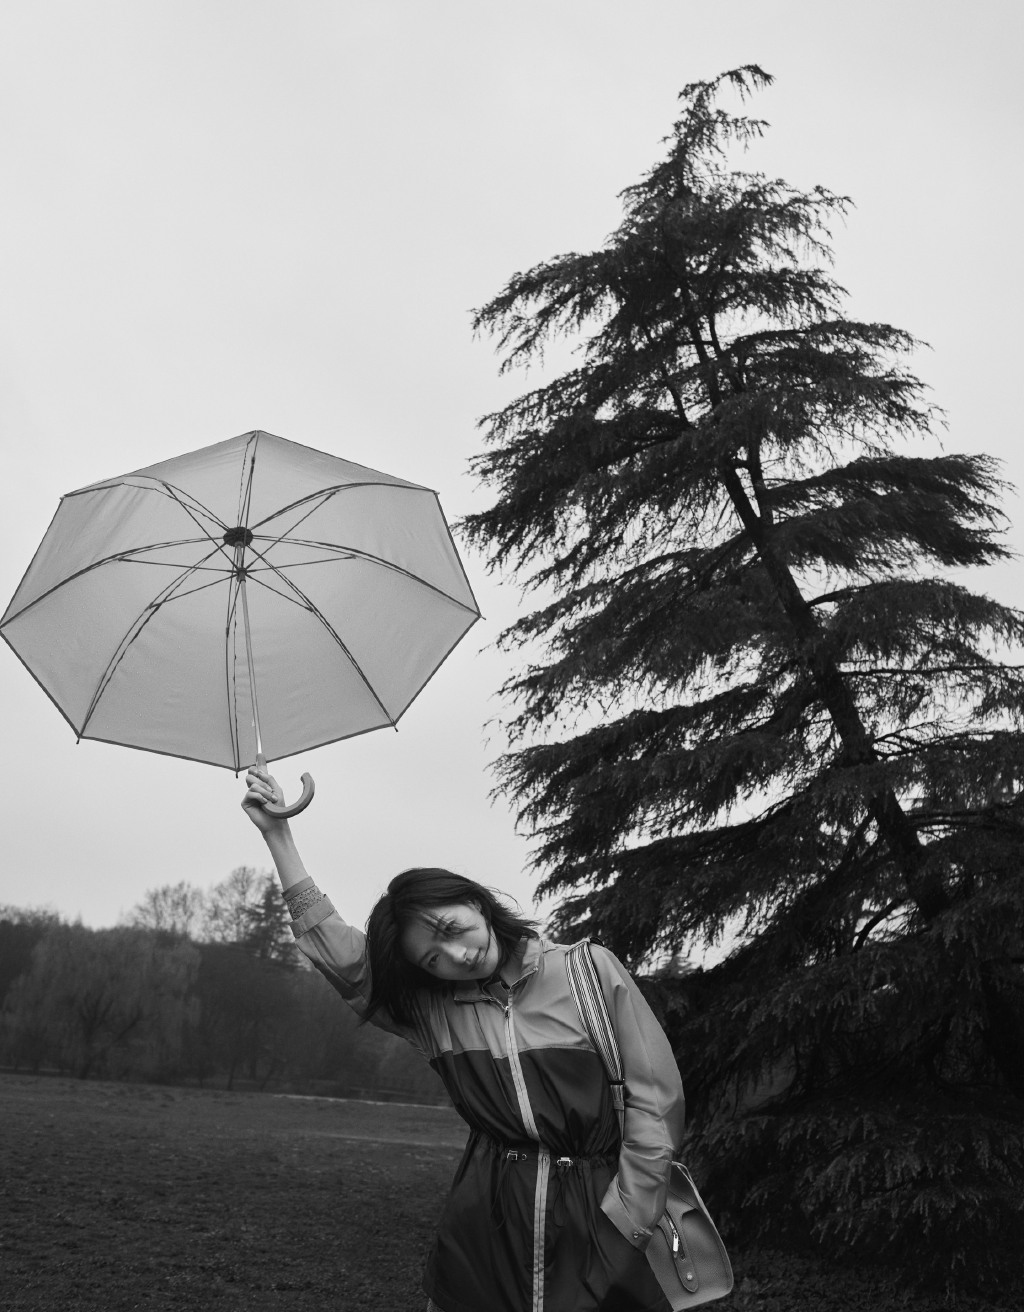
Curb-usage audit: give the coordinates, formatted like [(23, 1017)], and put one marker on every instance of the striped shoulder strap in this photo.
[(589, 997)]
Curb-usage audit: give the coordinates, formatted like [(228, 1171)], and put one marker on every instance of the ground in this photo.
[(116, 1197)]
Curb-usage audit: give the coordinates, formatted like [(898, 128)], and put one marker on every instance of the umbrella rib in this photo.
[(158, 485), (186, 500), (277, 592), (129, 636), (193, 569), (245, 483), (308, 605), (109, 560), (216, 519), (317, 498), (173, 493), (369, 556), (324, 494), (331, 559)]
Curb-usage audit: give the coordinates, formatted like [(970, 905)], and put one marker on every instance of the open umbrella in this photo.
[(159, 602)]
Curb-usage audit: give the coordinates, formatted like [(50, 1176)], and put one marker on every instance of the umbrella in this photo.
[(159, 602)]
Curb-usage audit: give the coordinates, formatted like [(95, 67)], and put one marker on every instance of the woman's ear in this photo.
[(480, 909)]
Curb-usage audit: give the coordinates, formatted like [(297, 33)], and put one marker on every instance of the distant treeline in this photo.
[(198, 986)]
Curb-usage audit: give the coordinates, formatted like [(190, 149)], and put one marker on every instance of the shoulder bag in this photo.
[(686, 1252)]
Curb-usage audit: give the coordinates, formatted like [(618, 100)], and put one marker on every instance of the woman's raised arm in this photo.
[(335, 948), (263, 787)]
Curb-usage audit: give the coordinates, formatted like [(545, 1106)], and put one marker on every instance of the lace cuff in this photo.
[(301, 896)]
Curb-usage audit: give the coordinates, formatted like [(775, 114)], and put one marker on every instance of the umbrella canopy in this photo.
[(132, 615)]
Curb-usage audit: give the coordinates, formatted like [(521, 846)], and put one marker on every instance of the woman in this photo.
[(548, 1210)]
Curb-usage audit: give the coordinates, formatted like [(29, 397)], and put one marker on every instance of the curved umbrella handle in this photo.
[(279, 809)]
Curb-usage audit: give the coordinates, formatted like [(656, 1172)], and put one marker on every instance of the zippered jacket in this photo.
[(549, 1211)]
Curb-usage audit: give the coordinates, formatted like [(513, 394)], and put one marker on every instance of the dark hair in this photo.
[(394, 980)]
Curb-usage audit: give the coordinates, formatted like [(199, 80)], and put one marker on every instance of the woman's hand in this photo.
[(263, 787)]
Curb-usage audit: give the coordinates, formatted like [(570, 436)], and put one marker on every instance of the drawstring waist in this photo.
[(524, 1149), (513, 1154)]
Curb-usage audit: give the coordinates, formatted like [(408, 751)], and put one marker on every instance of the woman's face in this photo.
[(453, 942)]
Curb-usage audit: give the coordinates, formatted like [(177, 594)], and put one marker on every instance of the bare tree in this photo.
[(180, 909), (104, 1000)]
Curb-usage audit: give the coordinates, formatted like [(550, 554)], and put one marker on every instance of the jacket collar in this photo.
[(524, 961)]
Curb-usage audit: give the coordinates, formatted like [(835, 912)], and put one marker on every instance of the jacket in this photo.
[(549, 1211)]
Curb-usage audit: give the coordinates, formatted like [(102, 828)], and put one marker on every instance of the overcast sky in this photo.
[(235, 214)]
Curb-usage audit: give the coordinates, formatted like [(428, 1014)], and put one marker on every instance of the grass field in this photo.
[(126, 1196)]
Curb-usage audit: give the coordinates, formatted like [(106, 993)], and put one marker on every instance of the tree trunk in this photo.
[(894, 825)]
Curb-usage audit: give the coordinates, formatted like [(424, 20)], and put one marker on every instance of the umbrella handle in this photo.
[(278, 809)]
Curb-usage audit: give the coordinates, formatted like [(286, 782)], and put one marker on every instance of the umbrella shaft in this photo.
[(248, 648)]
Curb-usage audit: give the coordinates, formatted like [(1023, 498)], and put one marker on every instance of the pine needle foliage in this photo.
[(755, 703)]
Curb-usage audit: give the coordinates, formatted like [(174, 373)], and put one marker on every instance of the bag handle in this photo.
[(590, 1001)]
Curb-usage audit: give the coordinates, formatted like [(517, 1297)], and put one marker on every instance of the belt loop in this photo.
[(498, 1201)]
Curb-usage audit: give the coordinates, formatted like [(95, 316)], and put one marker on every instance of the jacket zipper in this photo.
[(518, 1079), (543, 1156)]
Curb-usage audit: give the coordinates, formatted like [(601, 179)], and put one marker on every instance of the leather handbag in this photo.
[(686, 1252)]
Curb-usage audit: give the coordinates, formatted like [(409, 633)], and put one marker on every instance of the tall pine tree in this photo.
[(756, 704)]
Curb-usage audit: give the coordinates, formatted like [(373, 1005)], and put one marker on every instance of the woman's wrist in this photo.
[(290, 869)]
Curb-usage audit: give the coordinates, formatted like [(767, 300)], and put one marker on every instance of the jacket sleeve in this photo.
[(654, 1106), (338, 951)]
